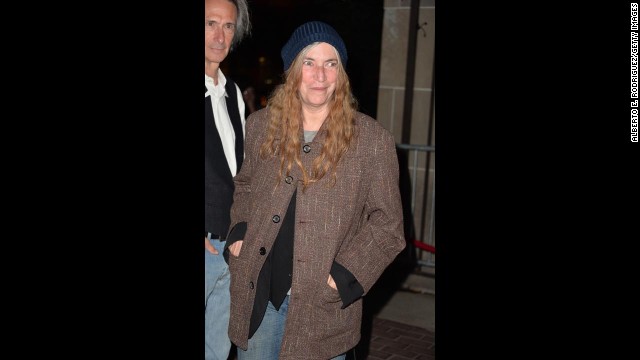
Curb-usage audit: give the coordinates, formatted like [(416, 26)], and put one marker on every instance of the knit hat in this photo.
[(309, 33)]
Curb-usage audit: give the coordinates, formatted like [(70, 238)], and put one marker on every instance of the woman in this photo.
[(317, 214)]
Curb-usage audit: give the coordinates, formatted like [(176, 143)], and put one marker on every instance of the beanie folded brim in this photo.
[(309, 33)]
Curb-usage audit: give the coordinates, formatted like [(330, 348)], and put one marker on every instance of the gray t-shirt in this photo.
[(309, 135)]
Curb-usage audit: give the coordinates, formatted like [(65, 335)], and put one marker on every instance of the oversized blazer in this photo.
[(358, 222)]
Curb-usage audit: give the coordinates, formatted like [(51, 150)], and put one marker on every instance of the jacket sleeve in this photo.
[(237, 233), (242, 191), (348, 286), (381, 236)]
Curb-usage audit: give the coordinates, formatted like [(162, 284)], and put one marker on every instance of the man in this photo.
[(226, 24)]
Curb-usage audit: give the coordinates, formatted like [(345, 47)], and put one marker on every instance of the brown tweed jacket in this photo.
[(358, 223)]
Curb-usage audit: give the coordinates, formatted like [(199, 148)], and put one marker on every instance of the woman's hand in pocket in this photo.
[(332, 283), (234, 248)]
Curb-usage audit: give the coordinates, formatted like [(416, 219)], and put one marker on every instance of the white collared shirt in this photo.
[(221, 116)]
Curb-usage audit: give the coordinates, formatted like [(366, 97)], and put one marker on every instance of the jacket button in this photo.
[(263, 251), (275, 219), (251, 285), (288, 179), (306, 148)]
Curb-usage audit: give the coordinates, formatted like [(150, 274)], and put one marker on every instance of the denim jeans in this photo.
[(216, 304), (265, 343)]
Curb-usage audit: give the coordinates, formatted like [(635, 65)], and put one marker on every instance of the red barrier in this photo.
[(423, 246)]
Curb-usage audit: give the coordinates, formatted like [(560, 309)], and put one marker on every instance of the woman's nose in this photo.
[(320, 76)]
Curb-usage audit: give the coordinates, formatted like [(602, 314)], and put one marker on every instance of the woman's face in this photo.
[(319, 74)]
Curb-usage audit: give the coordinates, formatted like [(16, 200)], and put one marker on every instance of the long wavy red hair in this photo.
[(285, 121)]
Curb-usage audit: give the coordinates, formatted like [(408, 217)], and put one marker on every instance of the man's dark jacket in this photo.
[(218, 183)]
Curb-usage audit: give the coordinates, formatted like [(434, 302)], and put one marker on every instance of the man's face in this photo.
[(220, 24)]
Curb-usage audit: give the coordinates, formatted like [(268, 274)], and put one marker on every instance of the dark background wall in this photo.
[(256, 61)]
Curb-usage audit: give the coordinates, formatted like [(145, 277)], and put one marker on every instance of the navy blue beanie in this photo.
[(307, 34)]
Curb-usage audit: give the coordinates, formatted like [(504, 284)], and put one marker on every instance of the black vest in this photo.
[(218, 181)]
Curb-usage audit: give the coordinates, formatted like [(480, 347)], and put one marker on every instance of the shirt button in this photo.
[(275, 219), (251, 285), (263, 251), (288, 179), (306, 148)]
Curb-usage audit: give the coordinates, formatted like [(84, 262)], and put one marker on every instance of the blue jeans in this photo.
[(216, 304), (265, 343)]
